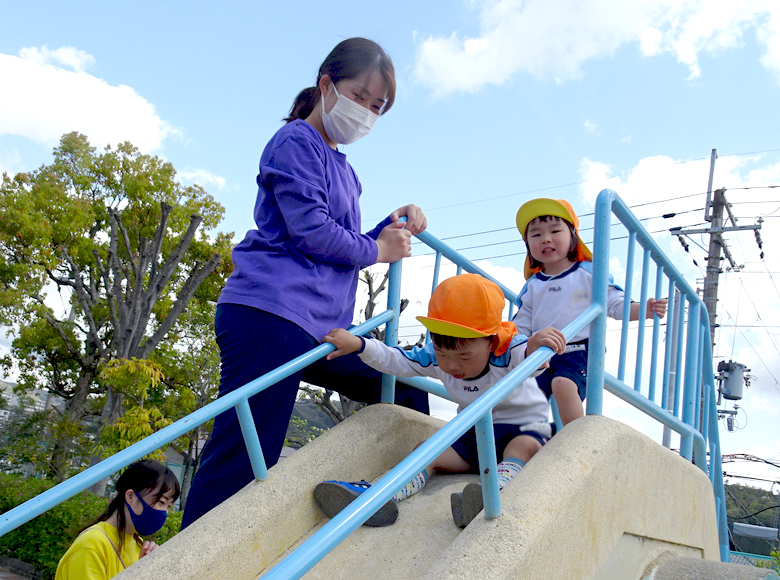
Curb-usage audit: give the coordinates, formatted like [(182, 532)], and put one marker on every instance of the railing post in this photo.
[(252, 441), (640, 346), (691, 366), (659, 279), (488, 467), (626, 304), (671, 366), (597, 344), (680, 373), (391, 329)]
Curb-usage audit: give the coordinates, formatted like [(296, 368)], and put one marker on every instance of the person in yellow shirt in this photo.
[(144, 492)]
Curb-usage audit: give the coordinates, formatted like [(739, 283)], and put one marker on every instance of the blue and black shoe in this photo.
[(466, 505), (333, 496)]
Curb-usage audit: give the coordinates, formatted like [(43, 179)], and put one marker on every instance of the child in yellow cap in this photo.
[(558, 270), (470, 350)]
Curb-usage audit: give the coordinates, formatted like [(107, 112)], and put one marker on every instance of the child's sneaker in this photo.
[(333, 496), (466, 505)]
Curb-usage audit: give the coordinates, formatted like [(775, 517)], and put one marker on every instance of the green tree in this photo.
[(189, 358), (751, 505), (773, 564), (123, 247)]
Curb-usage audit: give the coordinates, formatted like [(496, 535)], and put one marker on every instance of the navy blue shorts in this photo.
[(572, 365), (466, 446)]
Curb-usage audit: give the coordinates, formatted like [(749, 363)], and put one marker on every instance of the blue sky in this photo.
[(498, 102)]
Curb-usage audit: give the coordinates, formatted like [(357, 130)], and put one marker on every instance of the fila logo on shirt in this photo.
[(470, 389), (554, 289)]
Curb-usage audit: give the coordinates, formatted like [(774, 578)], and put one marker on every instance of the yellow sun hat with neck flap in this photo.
[(469, 306), (560, 208)]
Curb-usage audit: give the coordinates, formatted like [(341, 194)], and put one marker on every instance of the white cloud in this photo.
[(749, 302), (52, 95), (67, 56), (202, 177), (763, 404), (552, 39), (591, 127)]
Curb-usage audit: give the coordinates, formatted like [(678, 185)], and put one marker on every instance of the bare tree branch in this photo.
[(186, 292), (159, 236), (128, 248), (86, 304), (55, 324), (322, 398), (158, 281)]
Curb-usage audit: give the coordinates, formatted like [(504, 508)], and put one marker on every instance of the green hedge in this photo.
[(43, 540)]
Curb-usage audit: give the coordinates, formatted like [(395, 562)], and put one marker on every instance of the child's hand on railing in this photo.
[(344, 341), (656, 306), (549, 336)]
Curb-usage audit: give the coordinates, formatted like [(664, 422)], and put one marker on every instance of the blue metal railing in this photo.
[(697, 425), (694, 444), (14, 518)]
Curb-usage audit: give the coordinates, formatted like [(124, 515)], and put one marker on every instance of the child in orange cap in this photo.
[(471, 350), (558, 270)]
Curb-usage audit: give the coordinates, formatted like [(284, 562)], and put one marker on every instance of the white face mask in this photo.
[(347, 121)]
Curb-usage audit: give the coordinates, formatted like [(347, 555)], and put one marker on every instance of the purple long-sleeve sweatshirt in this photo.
[(303, 260)]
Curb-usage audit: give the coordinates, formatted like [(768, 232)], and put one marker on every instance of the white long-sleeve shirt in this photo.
[(557, 300), (525, 404)]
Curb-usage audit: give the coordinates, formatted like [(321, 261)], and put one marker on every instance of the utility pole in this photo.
[(713, 261), (713, 212)]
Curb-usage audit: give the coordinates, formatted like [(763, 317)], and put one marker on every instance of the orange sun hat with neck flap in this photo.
[(469, 306), (560, 208)]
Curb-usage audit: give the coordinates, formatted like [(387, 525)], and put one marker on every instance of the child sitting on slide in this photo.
[(471, 349)]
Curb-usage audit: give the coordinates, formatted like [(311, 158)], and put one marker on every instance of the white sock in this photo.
[(507, 469), (418, 482)]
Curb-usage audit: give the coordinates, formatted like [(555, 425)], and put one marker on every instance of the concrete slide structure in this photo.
[(600, 501)]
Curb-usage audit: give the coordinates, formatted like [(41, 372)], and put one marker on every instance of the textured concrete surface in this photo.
[(596, 481), (242, 536), (692, 569), (406, 549), (599, 501)]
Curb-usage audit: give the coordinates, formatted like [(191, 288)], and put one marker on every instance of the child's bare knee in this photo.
[(563, 386), (522, 447)]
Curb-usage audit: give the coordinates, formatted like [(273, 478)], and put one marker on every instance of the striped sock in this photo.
[(507, 469), (418, 482)]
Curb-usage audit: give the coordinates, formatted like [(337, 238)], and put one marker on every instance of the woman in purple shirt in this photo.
[(296, 275)]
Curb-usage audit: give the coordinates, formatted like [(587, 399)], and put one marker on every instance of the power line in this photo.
[(522, 252), (759, 315), (758, 356), (771, 507), (771, 278), (553, 187), (748, 153)]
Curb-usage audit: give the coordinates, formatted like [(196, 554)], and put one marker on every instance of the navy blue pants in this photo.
[(253, 342)]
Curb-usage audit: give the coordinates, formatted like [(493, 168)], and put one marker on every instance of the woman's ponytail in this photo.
[(304, 104), (349, 59)]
